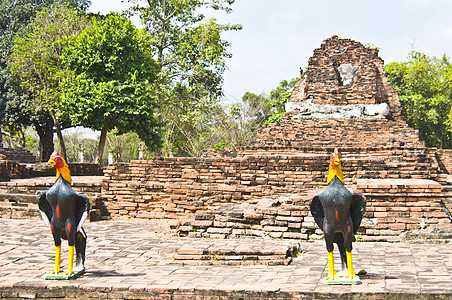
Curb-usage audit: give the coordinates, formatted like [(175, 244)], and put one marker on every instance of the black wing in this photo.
[(83, 207), (45, 208), (317, 211), (357, 209)]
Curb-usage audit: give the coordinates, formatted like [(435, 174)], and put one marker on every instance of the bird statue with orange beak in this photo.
[(338, 213), (65, 211)]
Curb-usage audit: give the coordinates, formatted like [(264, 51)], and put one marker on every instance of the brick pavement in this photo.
[(134, 259)]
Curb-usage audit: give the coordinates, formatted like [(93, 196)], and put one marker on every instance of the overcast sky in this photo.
[(278, 37)]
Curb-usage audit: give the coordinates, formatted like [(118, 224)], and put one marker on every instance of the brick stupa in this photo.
[(343, 100)]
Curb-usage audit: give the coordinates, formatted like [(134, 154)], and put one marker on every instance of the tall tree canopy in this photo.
[(191, 53), (110, 86), (424, 85), (15, 109), (35, 66), (239, 124)]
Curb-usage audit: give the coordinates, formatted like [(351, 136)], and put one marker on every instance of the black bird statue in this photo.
[(65, 211), (338, 212)]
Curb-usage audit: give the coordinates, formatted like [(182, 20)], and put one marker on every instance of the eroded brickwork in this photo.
[(323, 83), (393, 206), (360, 133), (180, 187)]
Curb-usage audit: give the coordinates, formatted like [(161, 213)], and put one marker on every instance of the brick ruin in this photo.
[(323, 80), (343, 100)]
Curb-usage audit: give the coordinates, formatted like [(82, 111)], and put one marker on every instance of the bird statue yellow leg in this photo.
[(350, 271), (71, 261), (331, 272), (58, 260)]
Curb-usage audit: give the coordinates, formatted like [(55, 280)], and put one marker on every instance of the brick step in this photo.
[(19, 211), (21, 155), (18, 198), (37, 189), (236, 252), (25, 207), (447, 189)]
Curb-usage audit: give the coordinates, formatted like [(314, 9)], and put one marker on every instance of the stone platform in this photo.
[(134, 259)]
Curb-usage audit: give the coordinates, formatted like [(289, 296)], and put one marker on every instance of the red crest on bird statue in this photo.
[(60, 165)]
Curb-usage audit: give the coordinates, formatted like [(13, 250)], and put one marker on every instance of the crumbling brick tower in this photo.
[(344, 100)]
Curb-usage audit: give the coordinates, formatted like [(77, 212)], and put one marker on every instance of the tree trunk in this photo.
[(60, 136), (22, 137), (102, 140), (45, 132)]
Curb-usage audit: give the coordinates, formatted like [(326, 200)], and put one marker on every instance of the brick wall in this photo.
[(10, 169), (4, 171), (395, 206), (13, 169), (445, 155), (180, 187), (76, 169)]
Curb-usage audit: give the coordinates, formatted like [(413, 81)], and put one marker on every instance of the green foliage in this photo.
[(14, 18), (16, 15), (35, 72), (221, 145), (192, 55), (126, 147), (239, 123), (424, 85), (110, 86), (35, 60), (278, 99), (76, 142)]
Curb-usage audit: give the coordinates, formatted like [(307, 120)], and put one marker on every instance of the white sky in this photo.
[(278, 37)]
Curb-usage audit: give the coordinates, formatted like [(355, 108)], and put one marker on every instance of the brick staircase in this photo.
[(237, 252), (393, 207), (18, 198), (361, 133), (18, 154)]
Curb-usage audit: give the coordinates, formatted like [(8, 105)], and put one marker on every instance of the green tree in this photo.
[(35, 62), (278, 99), (34, 69), (238, 124), (192, 55), (125, 147), (424, 85), (110, 86)]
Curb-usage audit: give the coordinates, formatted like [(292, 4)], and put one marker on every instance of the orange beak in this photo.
[(51, 162), (337, 161)]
